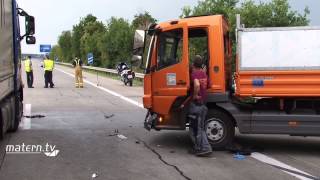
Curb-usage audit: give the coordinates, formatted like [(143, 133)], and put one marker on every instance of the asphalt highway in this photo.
[(98, 132)]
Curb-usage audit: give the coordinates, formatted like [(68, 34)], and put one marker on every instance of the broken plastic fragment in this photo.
[(238, 156), (122, 136), (108, 116), (94, 175)]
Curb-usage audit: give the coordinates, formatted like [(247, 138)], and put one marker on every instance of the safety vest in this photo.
[(48, 64), (77, 61), (27, 65)]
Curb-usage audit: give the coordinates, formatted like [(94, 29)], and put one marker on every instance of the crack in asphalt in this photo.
[(165, 162)]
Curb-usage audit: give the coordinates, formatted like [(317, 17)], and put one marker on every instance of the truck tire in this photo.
[(18, 111), (219, 128), (2, 132)]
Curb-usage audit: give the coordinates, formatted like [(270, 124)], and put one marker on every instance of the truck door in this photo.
[(170, 77)]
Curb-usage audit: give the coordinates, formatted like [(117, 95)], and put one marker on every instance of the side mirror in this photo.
[(138, 47), (30, 40), (30, 26)]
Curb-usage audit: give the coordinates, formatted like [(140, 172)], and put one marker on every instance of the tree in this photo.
[(64, 43), (89, 42), (117, 41), (142, 20), (56, 53), (273, 13), (77, 33), (262, 14), (276, 13)]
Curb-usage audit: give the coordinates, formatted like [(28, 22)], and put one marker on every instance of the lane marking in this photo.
[(258, 156), (26, 122), (106, 90), (283, 167)]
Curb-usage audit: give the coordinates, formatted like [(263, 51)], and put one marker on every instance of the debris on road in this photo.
[(122, 136), (172, 151), (115, 133), (238, 156), (94, 175), (35, 116), (108, 116), (137, 142)]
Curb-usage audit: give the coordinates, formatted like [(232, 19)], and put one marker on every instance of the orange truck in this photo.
[(275, 88)]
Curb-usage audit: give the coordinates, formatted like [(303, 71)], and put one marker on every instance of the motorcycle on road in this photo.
[(126, 74)]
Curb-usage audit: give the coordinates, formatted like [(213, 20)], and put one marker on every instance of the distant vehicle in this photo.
[(274, 90), (125, 73), (11, 88)]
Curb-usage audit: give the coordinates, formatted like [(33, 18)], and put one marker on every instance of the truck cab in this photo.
[(173, 45), (271, 91)]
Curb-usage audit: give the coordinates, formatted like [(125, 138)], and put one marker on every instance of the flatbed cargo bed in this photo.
[(278, 62)]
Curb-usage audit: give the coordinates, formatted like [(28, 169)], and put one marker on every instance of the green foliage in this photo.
[(275, 13), (64, 43), (110, 43), (142, 21), (55, 52), (118, 41)]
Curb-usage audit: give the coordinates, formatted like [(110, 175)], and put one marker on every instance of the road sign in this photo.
[(90, 58), (45, 48)]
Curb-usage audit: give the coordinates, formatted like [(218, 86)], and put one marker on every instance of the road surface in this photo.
[(84, 124)]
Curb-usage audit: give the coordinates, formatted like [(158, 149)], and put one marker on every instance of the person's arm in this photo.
[(196, 89)]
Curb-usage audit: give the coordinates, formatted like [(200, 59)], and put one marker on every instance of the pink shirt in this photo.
[(203, 79)]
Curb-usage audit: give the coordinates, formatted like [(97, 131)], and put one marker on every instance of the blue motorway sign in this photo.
[(90, 58), (45, 47)]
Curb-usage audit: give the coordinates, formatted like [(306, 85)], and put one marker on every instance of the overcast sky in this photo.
[(55, 16)]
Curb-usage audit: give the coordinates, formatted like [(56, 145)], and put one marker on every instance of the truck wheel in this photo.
[(18, 115), (219, 129), (2, 132)]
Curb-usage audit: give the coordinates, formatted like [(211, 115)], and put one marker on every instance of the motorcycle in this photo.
[(126, 74)]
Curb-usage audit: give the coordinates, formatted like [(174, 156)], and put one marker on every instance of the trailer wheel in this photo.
[(19, 113), (2, 132), (219, 129)]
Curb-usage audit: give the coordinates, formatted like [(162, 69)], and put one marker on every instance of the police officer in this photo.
[(77, 64), (29, 71), (48, 66)]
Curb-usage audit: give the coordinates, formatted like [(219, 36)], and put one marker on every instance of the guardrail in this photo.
[(99, 69)]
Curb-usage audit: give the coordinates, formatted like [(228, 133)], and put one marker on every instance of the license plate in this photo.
[(130, 76)]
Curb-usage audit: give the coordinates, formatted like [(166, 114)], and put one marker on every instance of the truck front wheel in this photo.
[(219, 129)]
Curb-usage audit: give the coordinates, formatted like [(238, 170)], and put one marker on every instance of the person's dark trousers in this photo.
[(201, 143), (48, 79), (30, 79)]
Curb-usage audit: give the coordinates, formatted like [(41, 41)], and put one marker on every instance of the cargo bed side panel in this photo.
[(6, 49), (278, 62)]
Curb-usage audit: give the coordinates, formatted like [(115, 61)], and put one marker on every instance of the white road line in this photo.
[(26, 122), (258, 156), (271, 161), (106, 90)]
